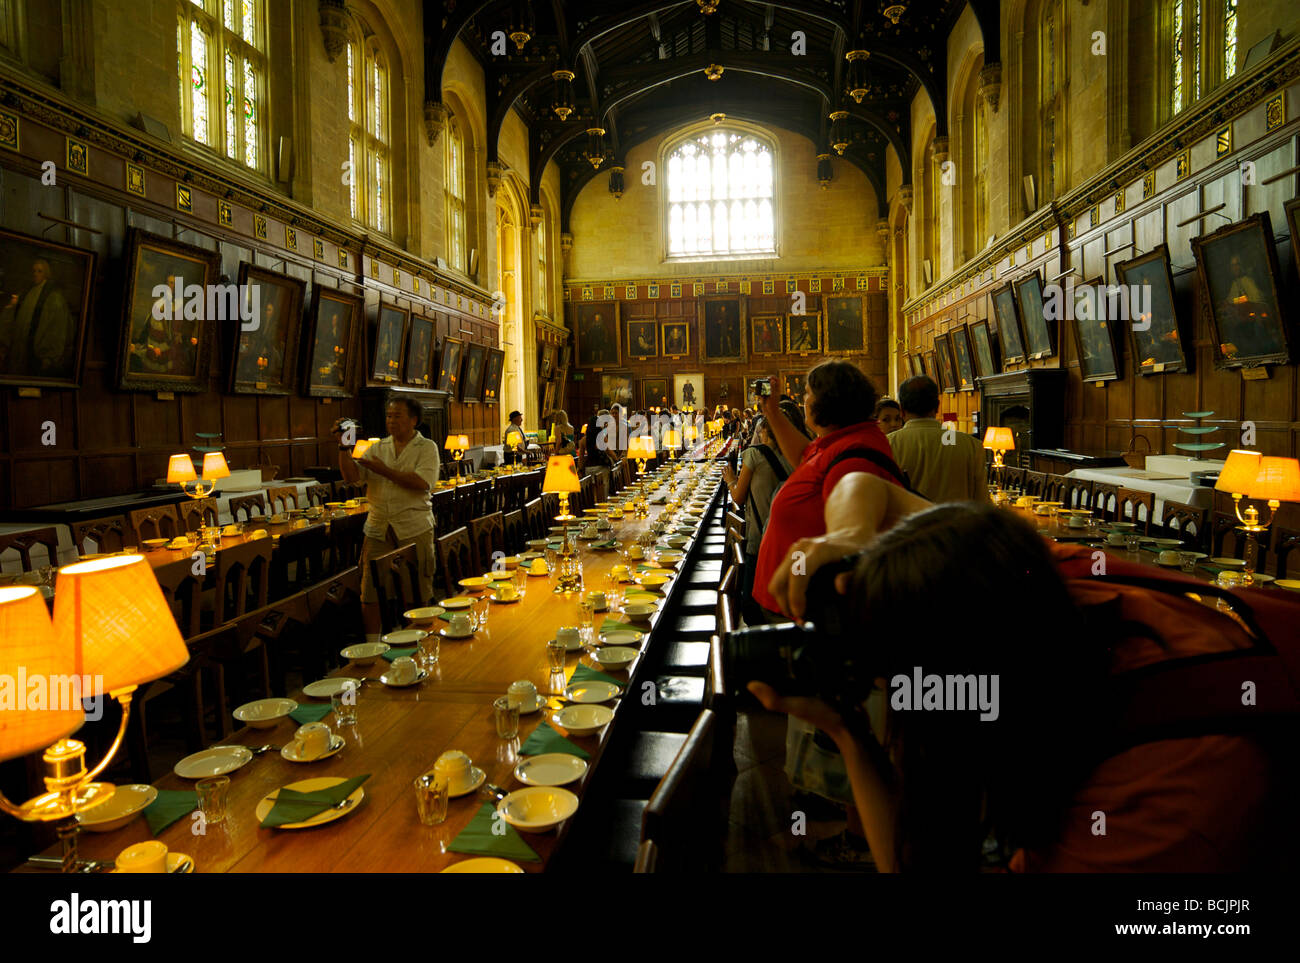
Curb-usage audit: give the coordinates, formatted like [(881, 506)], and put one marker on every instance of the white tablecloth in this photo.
[(1163, 488), (223, 498)]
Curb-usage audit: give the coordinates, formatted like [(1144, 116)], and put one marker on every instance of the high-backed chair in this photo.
[(1035, 482), (1077, 493), (487, 535), (343, 490), (1105, 501), (100, 535), (1192, 524), (516, 531), (535, 519), (284, 498), (1013, 479), (346, 535), (183, 591), (1285, 541), (243, 579), (300, 559), (159, 522), (455, 559), (681, 830), (319, 494), (250, 505), (195, 513), (397, 584), (1055, 489)]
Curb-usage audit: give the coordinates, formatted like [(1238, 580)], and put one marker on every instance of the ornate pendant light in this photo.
[(707, 6), (616, 182), (894, 10), (859, 83), (824, 170), (595, 152), (713, 71), (563, 104), (839, 131), (522, 25)]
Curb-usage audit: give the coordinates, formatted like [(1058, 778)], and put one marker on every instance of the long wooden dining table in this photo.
[(398, 735)]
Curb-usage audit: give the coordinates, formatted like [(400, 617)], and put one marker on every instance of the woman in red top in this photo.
[(839, 403)]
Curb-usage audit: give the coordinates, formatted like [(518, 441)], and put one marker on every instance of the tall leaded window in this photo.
[(1052, 104), (981, 165), (721, 195), (369, 136), (221, 56), (454, 191), (543, 281), (1229, 38), (1176, 59)]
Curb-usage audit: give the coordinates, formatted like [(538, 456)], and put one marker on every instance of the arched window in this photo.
[(1052, 99), (971, 197), (1229, 38), (221, 46), (454, 195), (369, 135), (721, 196), (543, 274)]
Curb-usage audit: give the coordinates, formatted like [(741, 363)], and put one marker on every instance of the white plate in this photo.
[(479, 778), (423, 615), (264, 713), (447, 634), (550, 769), (504, 601), (336, 746), (592, 692), (311, 785), (625, 637), (125, 804), (404, 638), (457, 602), (420, 677), (216, 761), (325, 688), (484, 864), (538, 701), (364, 653), (573, 647), (537, 808)]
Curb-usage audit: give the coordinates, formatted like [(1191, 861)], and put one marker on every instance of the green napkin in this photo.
[(555, 546), (610, 544), (614, 625), (170, 806), (310, 713), (392, 654), (296, 807), (478, 839), (545, 739), (585, 674)]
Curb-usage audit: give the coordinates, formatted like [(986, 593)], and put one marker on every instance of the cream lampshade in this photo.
[(180, 469), (562, 478), (1000, 439), (28, 652), (1277, 481), (1239, 471), (214, 466), (111, 613)]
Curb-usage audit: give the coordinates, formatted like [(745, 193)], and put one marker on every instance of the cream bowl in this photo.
[(538, 809), (126, 803), (365, 653), (580, 720), (264, 713), (403, 639), (639, 611), (423, 618), (614, 656)]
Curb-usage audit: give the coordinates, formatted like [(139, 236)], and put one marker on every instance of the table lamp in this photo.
[(562, 478), (113, 630), (672, 441), (1251, 475), (180, 471), (457, 445), (999, 440)]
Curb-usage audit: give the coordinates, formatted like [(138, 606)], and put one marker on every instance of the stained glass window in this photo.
[(225, 35), (543, 282), (455, 195), (1196, 50), (368, 149), (1229, 38), (1176, 60), (721, 194)]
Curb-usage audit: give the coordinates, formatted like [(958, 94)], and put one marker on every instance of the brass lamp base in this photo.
[(53, 806)]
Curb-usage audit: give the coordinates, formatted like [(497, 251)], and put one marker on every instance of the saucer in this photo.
[(324, 688), (448, 634), (216, 761), (538, 702), (336, 745), (591, 692), (479, 777), (505, 601), (419, 677), (457, 602), (1291, 584)]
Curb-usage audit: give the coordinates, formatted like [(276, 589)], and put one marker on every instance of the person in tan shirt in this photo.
[(941, 465)]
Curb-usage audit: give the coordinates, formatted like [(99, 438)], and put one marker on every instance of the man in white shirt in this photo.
[(514, 440), (399, 473)]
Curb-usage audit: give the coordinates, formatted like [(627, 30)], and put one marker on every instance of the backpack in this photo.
[(781, 475), (879, 459)]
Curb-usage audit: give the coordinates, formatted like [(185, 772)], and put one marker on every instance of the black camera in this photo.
[(824, 658), (762, 388)]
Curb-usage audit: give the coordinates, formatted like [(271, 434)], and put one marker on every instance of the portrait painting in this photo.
[(792, 385), (166, 336), (1237, 265), (961, 356), (419, 346), (264, 355), (616, 389), (914, 365), (1004, 310), (332, 329), (943, 353), (546, 361), (596, 333), (44, 309), (931, 367), (471, 384), (688, 390), (1040, 330), (676, 338), (654, 393), (642, 338), (983, 350), (765, 334), (449, 366), (803, 333), (390, 338), (721, 320), (496, 362), (1094, 337), (1158, 344), (846, 328), (566, 355)]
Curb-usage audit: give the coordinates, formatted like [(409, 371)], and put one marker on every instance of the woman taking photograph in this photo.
[(762, 471)]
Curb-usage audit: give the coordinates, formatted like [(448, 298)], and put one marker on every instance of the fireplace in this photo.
[(1031, 403)]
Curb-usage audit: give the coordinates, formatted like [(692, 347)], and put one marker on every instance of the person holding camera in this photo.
[(1019, 783), (400, 472)]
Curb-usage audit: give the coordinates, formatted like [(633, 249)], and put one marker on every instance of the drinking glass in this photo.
[(507, 716), (480, 612), (432, 791), (555, 655), (521, 580), (1187, 562), (430, 649), (345, 706), (1228, 578), (613, 591), (1132, 542), (586, 619), (212, 793)]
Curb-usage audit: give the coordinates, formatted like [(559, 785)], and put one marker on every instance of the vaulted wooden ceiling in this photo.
[(640, 71)]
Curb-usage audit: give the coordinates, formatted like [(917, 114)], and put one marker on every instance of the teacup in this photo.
[(589, 531), (522, 693), (404, 670), (311, 740), (1077, 521), (458, 768), (1115, 538), (567, 635), (1168, 557), (635, 551), (619, 570), (459, 625), (603, 524), (230, 530), (506, 590), (146, 857), (538, 566), (597, 599)]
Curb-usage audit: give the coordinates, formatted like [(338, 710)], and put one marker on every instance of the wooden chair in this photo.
[(1130, 501), (1105, 501), (103, 535), (1226, 541), (680, 828), (487, 535), (160, 522), (346, 536), (1192, 525), (396, 577), (728, 610), (535, 519), (1013, 479), (246, 504), (300, 559), (735, 523), (601, 486), (334, 607), (1055, 489), (285, 498), (442, 504), (455, 559), (319, 494), (195, 513), (1077, 493), (1035, 483), (183, 591), (344, 490), (243, 577), (1285, 541), (516, 532)]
